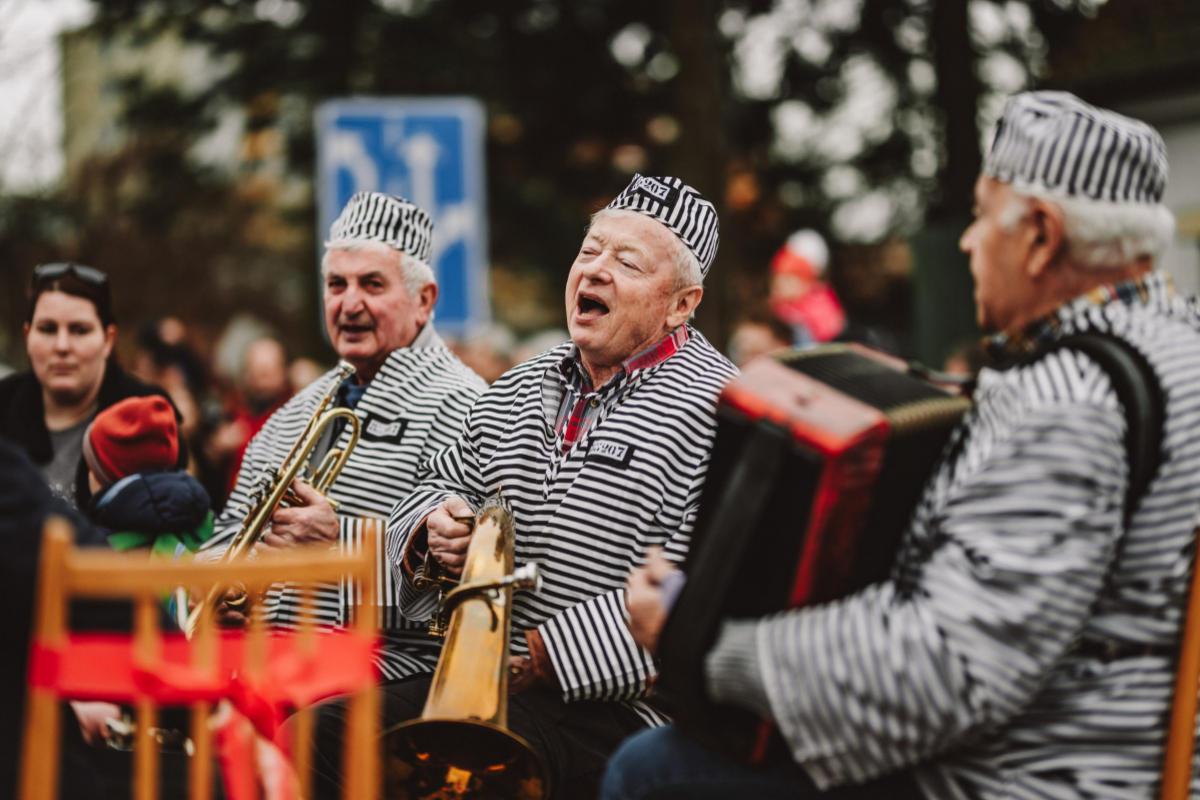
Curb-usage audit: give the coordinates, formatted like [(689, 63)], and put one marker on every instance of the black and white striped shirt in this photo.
[(963, 663), (588, 516), (413, 407)]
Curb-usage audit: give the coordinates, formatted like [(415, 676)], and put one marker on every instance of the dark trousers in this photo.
[(575, 739), (664, 764)]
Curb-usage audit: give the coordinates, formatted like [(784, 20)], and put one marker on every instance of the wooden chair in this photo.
[(264, 672)]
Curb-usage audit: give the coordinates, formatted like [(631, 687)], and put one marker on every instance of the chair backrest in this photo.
[(261, 672)]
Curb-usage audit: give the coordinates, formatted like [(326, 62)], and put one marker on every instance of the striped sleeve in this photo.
[(453, 471), (593, 653), (908, 669)]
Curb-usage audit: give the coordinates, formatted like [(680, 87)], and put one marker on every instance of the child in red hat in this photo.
[(137, 495)]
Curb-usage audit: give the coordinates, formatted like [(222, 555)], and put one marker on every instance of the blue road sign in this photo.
[(430, 151)]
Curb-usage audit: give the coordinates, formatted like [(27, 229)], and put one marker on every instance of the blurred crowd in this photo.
[(225, 390)]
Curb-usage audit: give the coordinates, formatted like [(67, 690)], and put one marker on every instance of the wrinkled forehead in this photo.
[(362, 263), (631, 231)]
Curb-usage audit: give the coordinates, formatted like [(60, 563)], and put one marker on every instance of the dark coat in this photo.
[(151, 504), (25, 502), (23, 417)]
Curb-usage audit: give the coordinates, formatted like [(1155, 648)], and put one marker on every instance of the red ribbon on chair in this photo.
[(102, 667)]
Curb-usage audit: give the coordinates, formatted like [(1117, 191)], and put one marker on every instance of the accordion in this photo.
[(820, 459)]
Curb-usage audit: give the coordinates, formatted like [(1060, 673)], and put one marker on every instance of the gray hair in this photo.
[(414, 273), (687, 266), (1100, 235)]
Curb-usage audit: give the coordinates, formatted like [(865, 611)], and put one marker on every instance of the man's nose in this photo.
[(62, 339), (352, 301), (598, 269), (964, 241)]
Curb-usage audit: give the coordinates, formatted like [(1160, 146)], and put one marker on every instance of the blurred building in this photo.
[(1140, 57)]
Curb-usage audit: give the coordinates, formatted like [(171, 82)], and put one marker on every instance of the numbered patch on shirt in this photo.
[(381, 430), (606, 451)]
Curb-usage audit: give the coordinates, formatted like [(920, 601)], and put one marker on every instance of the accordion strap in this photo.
[(1141, 396)]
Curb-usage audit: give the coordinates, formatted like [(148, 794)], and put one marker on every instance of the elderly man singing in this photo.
[(1025, 644), (601, 446), (409, 391)]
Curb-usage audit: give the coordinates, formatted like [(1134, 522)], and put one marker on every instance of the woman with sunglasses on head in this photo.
[(69, 336)]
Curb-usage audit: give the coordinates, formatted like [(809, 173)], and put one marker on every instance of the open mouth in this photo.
[(355, 330), (591, 307)]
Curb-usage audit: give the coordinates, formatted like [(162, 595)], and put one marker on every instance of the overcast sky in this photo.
[(31, 91)]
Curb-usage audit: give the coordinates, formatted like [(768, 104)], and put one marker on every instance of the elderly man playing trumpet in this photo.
[(601, 446), (409, 392)]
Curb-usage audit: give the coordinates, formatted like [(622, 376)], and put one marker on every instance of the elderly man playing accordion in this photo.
[(601, 446), (1025, 643), (410, 393)]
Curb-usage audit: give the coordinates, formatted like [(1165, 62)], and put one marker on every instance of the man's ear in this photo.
[(1047, 237), (684, 305), (426, 298)]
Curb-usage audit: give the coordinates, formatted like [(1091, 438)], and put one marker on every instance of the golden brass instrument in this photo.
[(274, 488), (461, 747)]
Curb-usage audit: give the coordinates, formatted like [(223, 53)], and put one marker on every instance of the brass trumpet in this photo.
[(275, 486), (461, 747)]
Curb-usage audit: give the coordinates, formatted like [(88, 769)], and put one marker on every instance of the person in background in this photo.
[(537, 343), (800, 295), (757, 334), (69, 334), (487, 350), (1025, 643), (303, 371), (264, 389)]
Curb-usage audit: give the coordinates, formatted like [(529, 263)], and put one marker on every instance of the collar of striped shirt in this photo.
[(1151, 288), (581, 406)]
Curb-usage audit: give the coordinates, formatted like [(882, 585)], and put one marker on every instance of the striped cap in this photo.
[(678, 206), (1056, 142), (388, 219)]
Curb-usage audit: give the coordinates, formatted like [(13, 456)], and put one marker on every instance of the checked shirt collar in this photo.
[(580, 406), (1151, 288)]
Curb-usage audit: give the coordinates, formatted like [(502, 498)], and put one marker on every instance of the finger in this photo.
[(457, 507), (441, 544), (639, 580), (657, 565), (285, 516), (442, 524), (308, 494)]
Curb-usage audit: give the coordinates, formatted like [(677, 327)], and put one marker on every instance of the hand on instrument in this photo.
[(448, 540), (315, 521), (92, 717), (644, 598), (226, 617), (521, 675)]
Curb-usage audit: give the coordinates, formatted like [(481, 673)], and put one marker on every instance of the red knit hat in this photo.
[(131, 436)]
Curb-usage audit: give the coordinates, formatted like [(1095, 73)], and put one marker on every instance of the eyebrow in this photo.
[(622, 245)]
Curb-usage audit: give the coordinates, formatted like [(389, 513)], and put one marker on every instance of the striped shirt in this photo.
[(413, 407), (582, 405), (963, 664), (630, 482)]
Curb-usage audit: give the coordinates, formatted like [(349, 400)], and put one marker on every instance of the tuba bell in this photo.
[(274, 488), (460, 747)]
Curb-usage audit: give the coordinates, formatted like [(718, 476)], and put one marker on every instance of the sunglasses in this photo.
[(50, 272)]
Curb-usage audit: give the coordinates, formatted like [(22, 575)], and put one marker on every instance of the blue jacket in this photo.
[(161, 510)]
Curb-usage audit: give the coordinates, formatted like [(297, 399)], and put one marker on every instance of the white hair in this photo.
[(687, 266), (414, 272), (1100, 235)]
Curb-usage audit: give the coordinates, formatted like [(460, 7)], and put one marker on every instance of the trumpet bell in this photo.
[(455, 759)]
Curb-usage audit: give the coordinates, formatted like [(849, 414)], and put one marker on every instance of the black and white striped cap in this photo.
[(388, 219), (678, 206), (1056, 142)]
